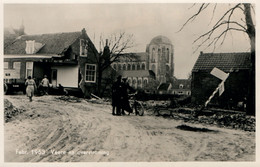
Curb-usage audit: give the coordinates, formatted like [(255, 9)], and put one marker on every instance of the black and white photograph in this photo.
[(129, 82)]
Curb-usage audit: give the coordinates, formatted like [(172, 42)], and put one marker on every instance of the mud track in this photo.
[(52, 130)]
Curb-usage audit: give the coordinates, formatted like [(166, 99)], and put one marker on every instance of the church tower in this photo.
[(160, 58)]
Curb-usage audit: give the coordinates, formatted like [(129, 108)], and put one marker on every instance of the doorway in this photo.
[(54, 77)]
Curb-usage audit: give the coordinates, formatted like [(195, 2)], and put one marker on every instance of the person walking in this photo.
[(116, 96), (30, 87), (45, 85)]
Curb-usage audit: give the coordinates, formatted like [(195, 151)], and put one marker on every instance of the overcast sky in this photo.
[(144, 21)]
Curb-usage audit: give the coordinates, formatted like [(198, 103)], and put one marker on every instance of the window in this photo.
[(124, 67), (17, 65), (119, 67), (167, 55), (145, 82), (90, 73), (6, 65), (83, 47), (143, 66), (153, 56), (133, 67), (138, 67), (128, 67), (30, 47), (181, 86), (29, 68)]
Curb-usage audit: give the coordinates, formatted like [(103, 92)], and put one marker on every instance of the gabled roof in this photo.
[(53, 43), (224, 61)]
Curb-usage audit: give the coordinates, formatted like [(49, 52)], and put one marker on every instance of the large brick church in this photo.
[(154, 65)]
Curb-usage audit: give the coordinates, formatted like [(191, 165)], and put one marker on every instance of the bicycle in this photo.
[(135, 105)]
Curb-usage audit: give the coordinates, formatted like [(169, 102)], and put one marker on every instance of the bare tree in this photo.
[(111, 49), (227, 24)]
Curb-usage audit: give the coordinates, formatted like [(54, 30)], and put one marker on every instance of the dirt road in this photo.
[(52, 130)]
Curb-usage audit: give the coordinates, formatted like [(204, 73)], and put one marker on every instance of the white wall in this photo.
[(67, 76)]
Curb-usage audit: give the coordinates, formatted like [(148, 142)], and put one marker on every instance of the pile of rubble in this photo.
[(10, 111), (217, 117), (71, 99), (234, 121)]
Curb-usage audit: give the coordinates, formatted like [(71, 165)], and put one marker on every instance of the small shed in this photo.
[(236, 86)]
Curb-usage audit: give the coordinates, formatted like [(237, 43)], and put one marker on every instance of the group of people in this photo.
[(31, 86), (120, 99)]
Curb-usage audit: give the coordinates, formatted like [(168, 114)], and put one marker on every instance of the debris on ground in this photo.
[(71, 99), (218, 117), (10, 111)]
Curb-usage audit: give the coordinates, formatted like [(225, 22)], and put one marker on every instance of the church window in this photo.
[(124, 67), (153, 56), (128, 67), (133, 67), (167, 55), (119, 67), (138, 67), (143, 66)]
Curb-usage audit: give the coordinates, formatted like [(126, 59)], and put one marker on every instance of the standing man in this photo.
[(45, 84), (125, 100), (116, 96)]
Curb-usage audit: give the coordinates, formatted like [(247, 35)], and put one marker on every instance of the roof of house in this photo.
[(185, 82), (164, 87), (137, 73), (224, 61), (55, 43)]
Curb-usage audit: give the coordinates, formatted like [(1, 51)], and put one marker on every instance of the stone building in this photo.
[(157, 61)]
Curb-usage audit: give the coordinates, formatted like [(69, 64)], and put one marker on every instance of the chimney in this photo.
[(106, 42), (83, 31)]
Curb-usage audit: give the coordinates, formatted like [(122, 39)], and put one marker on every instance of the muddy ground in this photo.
[(53, 130)]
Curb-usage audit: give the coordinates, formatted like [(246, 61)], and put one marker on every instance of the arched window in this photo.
[(139, 82), (145, 82), (114, 66), (167, 55), (128, 67), (143, 66), (119, 67), (153, 56), (133, 66), (124, 67), (138, 67)]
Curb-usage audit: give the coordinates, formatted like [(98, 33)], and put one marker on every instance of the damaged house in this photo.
[(66, 58), (236, 85)]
